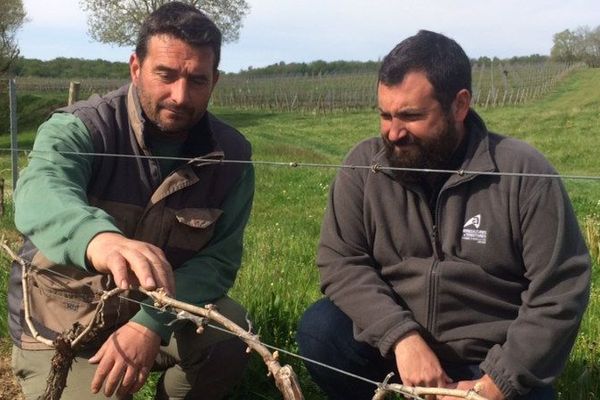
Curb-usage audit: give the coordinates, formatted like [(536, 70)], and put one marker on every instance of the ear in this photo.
[(134, 68), (461, 105)]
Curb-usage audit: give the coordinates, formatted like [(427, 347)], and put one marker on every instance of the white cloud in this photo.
[(55, 13)]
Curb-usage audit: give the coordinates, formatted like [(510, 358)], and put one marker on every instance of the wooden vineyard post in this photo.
[(74, 92), (1, 196)]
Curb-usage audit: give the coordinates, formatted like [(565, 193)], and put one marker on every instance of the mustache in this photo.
[(175, 108), (407, 140)]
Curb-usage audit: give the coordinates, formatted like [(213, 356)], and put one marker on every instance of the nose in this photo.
[(397, 130), (179, 92)]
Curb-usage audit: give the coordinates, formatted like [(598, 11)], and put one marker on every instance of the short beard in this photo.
[(412, 152), (152, 114)]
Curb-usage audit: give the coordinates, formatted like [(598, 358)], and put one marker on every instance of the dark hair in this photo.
[(182, 21), (442, 60)]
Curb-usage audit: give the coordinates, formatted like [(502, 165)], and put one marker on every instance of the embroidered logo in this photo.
[(472, 232)]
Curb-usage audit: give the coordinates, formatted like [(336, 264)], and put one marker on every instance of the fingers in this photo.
[(119, 270), (141, 379), (151, 268), (113, 379), (104, 368), (131, 262), (114, 374), (133, 380), (125, 359), (98, 356)]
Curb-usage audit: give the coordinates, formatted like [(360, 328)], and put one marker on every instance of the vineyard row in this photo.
[(493, 85)]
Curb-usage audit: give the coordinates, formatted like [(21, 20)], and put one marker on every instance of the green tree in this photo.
[(118, 21), (12, 17)]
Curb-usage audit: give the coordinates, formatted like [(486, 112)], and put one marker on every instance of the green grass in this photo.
[(279, 278)]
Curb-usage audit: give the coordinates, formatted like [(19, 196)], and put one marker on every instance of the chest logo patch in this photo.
[(471, 231)]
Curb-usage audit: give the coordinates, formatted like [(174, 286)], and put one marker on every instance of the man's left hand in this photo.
[(125, 359), (484, 387)]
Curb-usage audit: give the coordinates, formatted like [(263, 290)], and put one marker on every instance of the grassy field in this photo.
[(279, 278)]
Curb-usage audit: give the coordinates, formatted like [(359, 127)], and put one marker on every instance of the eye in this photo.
[(385, 116), (410, 116), (165, 76), (199, 81)]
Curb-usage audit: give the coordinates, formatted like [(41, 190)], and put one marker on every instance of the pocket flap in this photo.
[(200, 218)]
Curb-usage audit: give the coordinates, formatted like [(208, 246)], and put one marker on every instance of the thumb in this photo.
[(447, 379), (95, 359)]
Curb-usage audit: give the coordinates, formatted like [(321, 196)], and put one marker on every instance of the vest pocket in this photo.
[(193, 228), (57, 301)]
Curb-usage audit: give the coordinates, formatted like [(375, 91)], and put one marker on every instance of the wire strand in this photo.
[(341, 371), (295, 164)]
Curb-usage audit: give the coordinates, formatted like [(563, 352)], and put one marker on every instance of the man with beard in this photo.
[(128, 189), (465, 280)]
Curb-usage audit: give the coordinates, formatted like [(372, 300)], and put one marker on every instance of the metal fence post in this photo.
[(14, 152)]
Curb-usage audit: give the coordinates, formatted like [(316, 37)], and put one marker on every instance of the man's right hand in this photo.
[(417, 364), (130, 262)]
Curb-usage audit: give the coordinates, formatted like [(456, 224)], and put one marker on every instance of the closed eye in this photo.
[(410, 116), (166, 75)]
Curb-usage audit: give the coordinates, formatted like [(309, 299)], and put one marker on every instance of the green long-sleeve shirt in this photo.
[(51, 208)]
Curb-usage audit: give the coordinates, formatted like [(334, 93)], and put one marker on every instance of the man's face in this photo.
[(174, 82), (415, 129)]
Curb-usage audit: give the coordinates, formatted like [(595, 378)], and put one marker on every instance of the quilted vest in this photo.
[(177, 213)]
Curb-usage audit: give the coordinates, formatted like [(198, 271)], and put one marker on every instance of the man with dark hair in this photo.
[(127, 189), (466, 280)]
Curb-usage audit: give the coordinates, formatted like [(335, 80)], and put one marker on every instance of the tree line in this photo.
[(579, 45), (77, 68), (70, 68)]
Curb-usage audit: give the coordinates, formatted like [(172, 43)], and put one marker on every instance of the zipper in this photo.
[(433, 275), (438, 256), (432, 297)]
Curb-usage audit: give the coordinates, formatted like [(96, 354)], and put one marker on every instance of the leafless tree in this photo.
[(581, 44), (118, 21), (12, 17)]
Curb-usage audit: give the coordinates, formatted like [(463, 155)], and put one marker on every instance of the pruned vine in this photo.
[(68, 343)]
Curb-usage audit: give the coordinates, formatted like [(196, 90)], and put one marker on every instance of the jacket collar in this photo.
[(477, 157), (201, 142)]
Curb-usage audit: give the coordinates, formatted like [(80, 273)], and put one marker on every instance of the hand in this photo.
[(125, 358), (417, 363), (130, 262), (485, 387)]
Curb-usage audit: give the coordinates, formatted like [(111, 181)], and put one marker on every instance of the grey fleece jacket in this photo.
[(500, 276)]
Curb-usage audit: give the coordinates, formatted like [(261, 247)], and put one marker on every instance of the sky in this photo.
[(359, 30)]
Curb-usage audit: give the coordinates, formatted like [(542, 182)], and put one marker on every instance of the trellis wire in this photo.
[(275, 348), (294, 164)]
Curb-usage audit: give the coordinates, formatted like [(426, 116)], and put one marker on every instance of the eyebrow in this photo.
[(164, 68), (404, 111)]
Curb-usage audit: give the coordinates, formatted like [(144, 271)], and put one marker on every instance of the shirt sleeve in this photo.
[(210, 274), (51, 206)]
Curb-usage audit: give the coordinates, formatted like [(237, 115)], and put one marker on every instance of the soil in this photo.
[(9, 388)]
